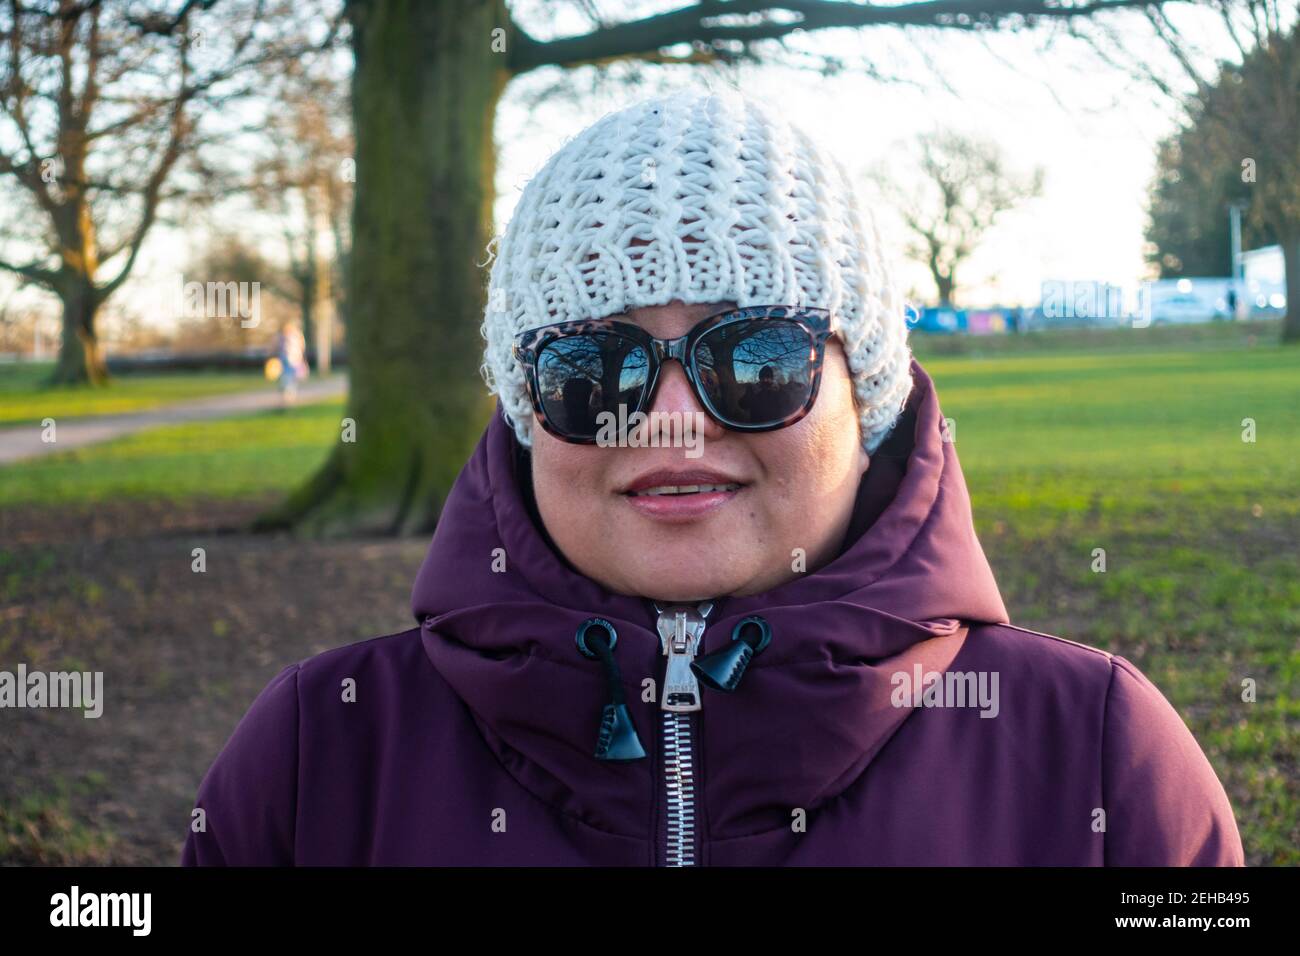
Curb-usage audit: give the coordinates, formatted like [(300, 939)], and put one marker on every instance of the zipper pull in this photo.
[(681, 629)]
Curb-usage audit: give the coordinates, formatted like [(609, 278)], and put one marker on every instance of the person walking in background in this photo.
[(291, 356)]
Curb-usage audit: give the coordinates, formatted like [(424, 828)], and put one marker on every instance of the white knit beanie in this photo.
[(704, 197)]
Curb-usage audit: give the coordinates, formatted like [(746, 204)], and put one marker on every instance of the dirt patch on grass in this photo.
[(114, 588)]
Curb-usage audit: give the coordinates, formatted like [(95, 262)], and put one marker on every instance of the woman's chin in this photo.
[(689, 581)]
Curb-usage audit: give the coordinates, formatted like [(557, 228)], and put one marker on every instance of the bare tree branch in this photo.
[(749, 21), (34, 272), (161, 24), (17, 111), (171, 153)]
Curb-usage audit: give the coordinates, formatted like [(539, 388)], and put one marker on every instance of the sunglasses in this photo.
[(752, 369)]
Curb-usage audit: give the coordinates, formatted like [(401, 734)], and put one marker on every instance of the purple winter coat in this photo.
[(471, 737)]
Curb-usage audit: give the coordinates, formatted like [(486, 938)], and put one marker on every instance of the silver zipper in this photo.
[(681, 629), (679, 785)]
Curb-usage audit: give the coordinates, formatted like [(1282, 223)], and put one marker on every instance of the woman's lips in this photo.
[(680, 508)]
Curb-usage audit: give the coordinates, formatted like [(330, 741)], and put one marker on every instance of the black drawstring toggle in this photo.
[(723, 669), (617, 739)]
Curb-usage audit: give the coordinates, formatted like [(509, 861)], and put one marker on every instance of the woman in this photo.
[(291, 354), (787, 649)]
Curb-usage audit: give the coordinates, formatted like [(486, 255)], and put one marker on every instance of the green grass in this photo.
[(1207, 335), (250, 455), (1051, 435), (44, 829), (26, 400)]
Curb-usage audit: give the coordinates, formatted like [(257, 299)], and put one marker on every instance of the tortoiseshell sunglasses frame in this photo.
[(529, 345)]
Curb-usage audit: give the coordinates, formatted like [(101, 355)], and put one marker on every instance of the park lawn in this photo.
[(250, 455), (1214, 336), (26, 400)]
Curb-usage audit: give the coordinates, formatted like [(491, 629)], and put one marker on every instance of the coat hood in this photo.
[(499, 608)]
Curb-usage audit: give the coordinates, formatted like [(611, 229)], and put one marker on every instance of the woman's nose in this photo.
[(675, 394)]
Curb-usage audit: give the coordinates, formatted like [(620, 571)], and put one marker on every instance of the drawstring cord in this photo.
[(722, 670), (617, 739)]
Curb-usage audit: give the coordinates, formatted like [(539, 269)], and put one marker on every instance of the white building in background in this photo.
[(1175, 301), (1264, 280), (1260, 293)]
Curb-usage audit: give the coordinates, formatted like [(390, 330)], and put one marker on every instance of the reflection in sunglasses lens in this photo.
[(756, 372), (581, 376)]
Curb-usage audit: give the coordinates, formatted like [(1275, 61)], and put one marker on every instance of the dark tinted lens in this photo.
[(581, 376), (756, 372)]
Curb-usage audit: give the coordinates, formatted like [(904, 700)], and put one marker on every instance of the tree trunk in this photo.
[(424, 94), (1291, 269), (307, 274), (81, 361), (946, 285), (307, 305)]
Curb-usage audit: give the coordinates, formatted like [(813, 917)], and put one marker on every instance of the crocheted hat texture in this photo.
[(705, 197)]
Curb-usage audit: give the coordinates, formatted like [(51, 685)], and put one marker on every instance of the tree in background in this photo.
[(1250, 117), (17, 324), (425, 90), (1188, 232), (100, 103), (238, 260), (304, 178), (952, 190), (1243, 114)]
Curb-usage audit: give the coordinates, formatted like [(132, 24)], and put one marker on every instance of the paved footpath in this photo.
[(24, 441)]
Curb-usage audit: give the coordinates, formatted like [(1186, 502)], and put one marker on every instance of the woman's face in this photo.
[(797, 489)]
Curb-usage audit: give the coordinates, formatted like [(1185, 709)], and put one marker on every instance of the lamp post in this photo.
[(1238, 265), (1234, 221)]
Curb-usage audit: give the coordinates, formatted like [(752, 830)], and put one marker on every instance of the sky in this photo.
[(1091, 127), (1047, 100)]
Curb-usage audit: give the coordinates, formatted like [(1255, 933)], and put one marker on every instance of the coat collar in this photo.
[(499, 607)]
